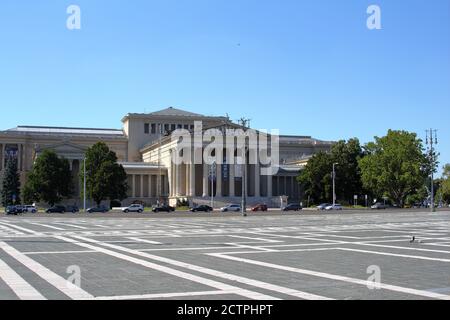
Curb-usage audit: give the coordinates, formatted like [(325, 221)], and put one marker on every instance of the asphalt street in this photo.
[(306, 255)]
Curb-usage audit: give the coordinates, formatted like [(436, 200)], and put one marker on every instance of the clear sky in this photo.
[(307, 67)]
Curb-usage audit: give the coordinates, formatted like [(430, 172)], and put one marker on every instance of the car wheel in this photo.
[(126, 211), (139, 211)]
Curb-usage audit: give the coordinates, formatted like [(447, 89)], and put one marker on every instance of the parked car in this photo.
[(73, 209), (323, 206), (56, 209), (231, 207), (12, 210), (334, 207), (134, 208), (163, 208), (201, 208), (29, 208), (379, 206), (259, 207), (99, 209), (292, 207)]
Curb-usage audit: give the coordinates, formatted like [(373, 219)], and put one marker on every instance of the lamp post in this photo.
[(212, 173), (431, 140), (84, 184), (334, 183)]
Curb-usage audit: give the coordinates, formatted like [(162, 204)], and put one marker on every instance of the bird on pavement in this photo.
[(413, 239)]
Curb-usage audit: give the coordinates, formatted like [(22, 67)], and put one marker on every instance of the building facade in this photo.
[(145, 151)]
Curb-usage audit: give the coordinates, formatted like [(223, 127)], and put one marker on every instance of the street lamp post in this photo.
[(212, 173), (84, 184), (334, 183), (431, 140)]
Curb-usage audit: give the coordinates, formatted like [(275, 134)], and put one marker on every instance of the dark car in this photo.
[(56, 209), (101, 209), (163, 208), (73, 209), (292, 207), (201, 208), (12, 210), (259, 207)]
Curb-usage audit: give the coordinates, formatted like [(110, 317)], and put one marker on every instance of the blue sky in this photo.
[(307, 67)]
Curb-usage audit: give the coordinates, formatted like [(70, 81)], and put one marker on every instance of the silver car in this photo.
[(134, 208), (231, 208)]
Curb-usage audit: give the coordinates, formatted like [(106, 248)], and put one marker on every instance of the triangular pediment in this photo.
[(65, 149)]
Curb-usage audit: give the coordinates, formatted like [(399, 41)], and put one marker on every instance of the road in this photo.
[(308, 255)]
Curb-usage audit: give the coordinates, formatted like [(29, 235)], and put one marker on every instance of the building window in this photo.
[(192, 127), (166, 128), (186, 126), (179, 126), (146, 128), (172, 127), (153, 128)]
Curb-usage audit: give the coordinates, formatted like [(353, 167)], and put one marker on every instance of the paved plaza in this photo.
[(270, 256)]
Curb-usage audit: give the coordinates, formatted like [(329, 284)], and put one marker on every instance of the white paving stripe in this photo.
[(57, 252), (166, 295), (177, 273), (416, 292), (22, 289), (216, 273), (70, 225), (258, 239), (20, 228), (54, 279), (144, 240), (395, 255), (47, 226)]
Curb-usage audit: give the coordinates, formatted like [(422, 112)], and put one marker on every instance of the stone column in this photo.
[(231, 180), (269, 185), (187, 177), (292, 187), (150, 185), (179, 178), (142, 186), (205, 180), (19, 156), (285, 185), (257, 180), (192, 180), (134, 186), (218, 180)]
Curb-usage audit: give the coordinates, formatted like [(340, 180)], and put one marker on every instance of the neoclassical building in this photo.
[(145, 151)]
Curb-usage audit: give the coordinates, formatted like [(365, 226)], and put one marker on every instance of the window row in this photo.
[(154, 128)]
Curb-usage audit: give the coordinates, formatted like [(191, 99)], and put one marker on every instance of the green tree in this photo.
[(445, 184), (316, 178), (50, 179), (395, 165), (10, 192), (105, 178), (348, 174)]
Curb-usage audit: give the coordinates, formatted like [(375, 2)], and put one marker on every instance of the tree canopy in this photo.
[(49, 180), (395, 166), (105, 178), (10, 192), (445, 184), (316, 178)]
